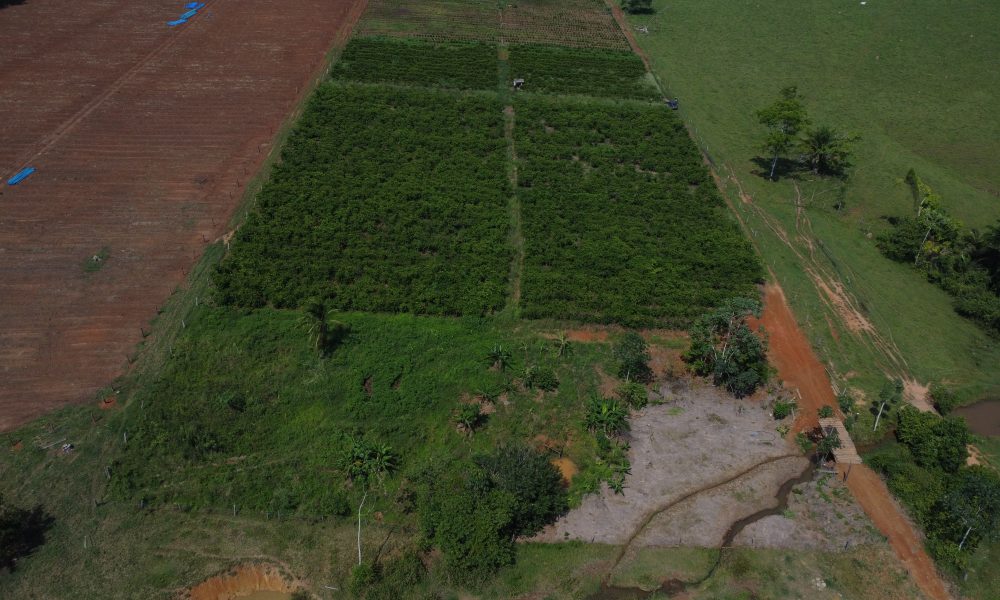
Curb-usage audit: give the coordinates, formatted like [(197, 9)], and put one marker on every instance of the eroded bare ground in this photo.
[(703, 462)]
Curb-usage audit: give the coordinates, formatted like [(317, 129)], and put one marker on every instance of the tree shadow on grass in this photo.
[(786, 168), (22, 531)]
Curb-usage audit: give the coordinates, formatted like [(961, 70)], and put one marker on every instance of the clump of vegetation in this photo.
[(724, 347), (944, 398), (589, 71), (646, 240), (825, 411), (461, 65), (783, 408), (637, 7), (633, 395), (541, 378), (848, 407), (889, 397), (469, 418), (823, 149), (474, 512), (22, 531), (963, 262), (419, 225), (633, 357), (606, 415), (957, 506)]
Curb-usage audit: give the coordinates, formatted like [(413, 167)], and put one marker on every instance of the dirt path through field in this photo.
[(799, 368)]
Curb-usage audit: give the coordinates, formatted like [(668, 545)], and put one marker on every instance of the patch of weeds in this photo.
[(676, 410), (96, 261), (788, 513)]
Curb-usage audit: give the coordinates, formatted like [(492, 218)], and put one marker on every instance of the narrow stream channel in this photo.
[(672, 587)]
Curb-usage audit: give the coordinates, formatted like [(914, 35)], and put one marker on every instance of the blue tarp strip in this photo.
[(20, 176), (177, 22), (189, 14)]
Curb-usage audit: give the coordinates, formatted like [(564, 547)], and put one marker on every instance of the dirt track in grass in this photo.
[(144, 137)]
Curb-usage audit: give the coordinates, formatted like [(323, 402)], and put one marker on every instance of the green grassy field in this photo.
[(918, 81)]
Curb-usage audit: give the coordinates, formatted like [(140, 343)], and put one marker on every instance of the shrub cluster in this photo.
[(461, 65), (590, 72), (957, 506), (621, 221), (385, 200), (965, 263)]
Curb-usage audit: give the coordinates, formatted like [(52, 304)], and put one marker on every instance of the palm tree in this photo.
[(563, 345), (499, 358), (367, 463), (826, 150), (316, 319)]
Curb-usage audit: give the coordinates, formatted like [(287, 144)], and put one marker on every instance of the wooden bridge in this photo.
[(847, 454)]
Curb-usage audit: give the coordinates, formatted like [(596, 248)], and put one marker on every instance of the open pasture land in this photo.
[(387, 200), (919, 81), (621, 220), (143, 136), (580, 23)]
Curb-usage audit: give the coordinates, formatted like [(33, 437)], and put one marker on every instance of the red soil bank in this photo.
[(143, 136)]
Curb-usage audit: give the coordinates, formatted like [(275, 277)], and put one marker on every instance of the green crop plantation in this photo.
[(559, 70), (622, 222), (449, 303), (385, 200), (469, 65)]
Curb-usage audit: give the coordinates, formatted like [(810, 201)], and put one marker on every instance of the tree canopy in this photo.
[(724, 346)]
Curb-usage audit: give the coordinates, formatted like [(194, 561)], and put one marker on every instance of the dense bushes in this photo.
[(621, 221), (965, 263), (385, 200), (590, 72), (462, 65), (474, 512), (957, 506), (724, 346)]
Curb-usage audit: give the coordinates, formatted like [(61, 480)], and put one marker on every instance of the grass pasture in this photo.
[(621, 221), (385, 200), (919, 82)]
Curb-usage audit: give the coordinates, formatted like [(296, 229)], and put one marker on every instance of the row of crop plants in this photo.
[(622, 222), (545, 69)]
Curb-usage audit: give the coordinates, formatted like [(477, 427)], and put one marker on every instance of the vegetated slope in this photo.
[(385, 200), (246, 413), (461, 65), (622, 223), (591, 72)]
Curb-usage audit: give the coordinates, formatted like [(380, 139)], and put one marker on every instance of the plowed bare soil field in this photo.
[(143, 137)]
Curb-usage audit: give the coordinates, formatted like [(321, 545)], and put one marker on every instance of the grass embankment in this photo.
[(916, 81)]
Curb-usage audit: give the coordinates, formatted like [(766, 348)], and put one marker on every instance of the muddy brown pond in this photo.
[(983, 417)]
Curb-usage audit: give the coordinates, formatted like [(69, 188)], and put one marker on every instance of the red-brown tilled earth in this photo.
[(143, 136)]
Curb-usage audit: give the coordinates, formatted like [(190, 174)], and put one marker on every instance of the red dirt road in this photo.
[(798, 367), (143, 136)]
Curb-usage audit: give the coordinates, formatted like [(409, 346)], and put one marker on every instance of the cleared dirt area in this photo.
[(682, 453), (143, 137)]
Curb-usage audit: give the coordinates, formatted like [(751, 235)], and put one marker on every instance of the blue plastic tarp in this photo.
[(20, 176), (177, 22), (194, 5), (189, 14)]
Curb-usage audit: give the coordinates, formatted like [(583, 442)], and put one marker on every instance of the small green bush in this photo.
[(541, 378), (783, 408), (825, 412), (633, 394)]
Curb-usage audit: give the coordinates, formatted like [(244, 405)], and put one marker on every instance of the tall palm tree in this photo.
[(826, 150)]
